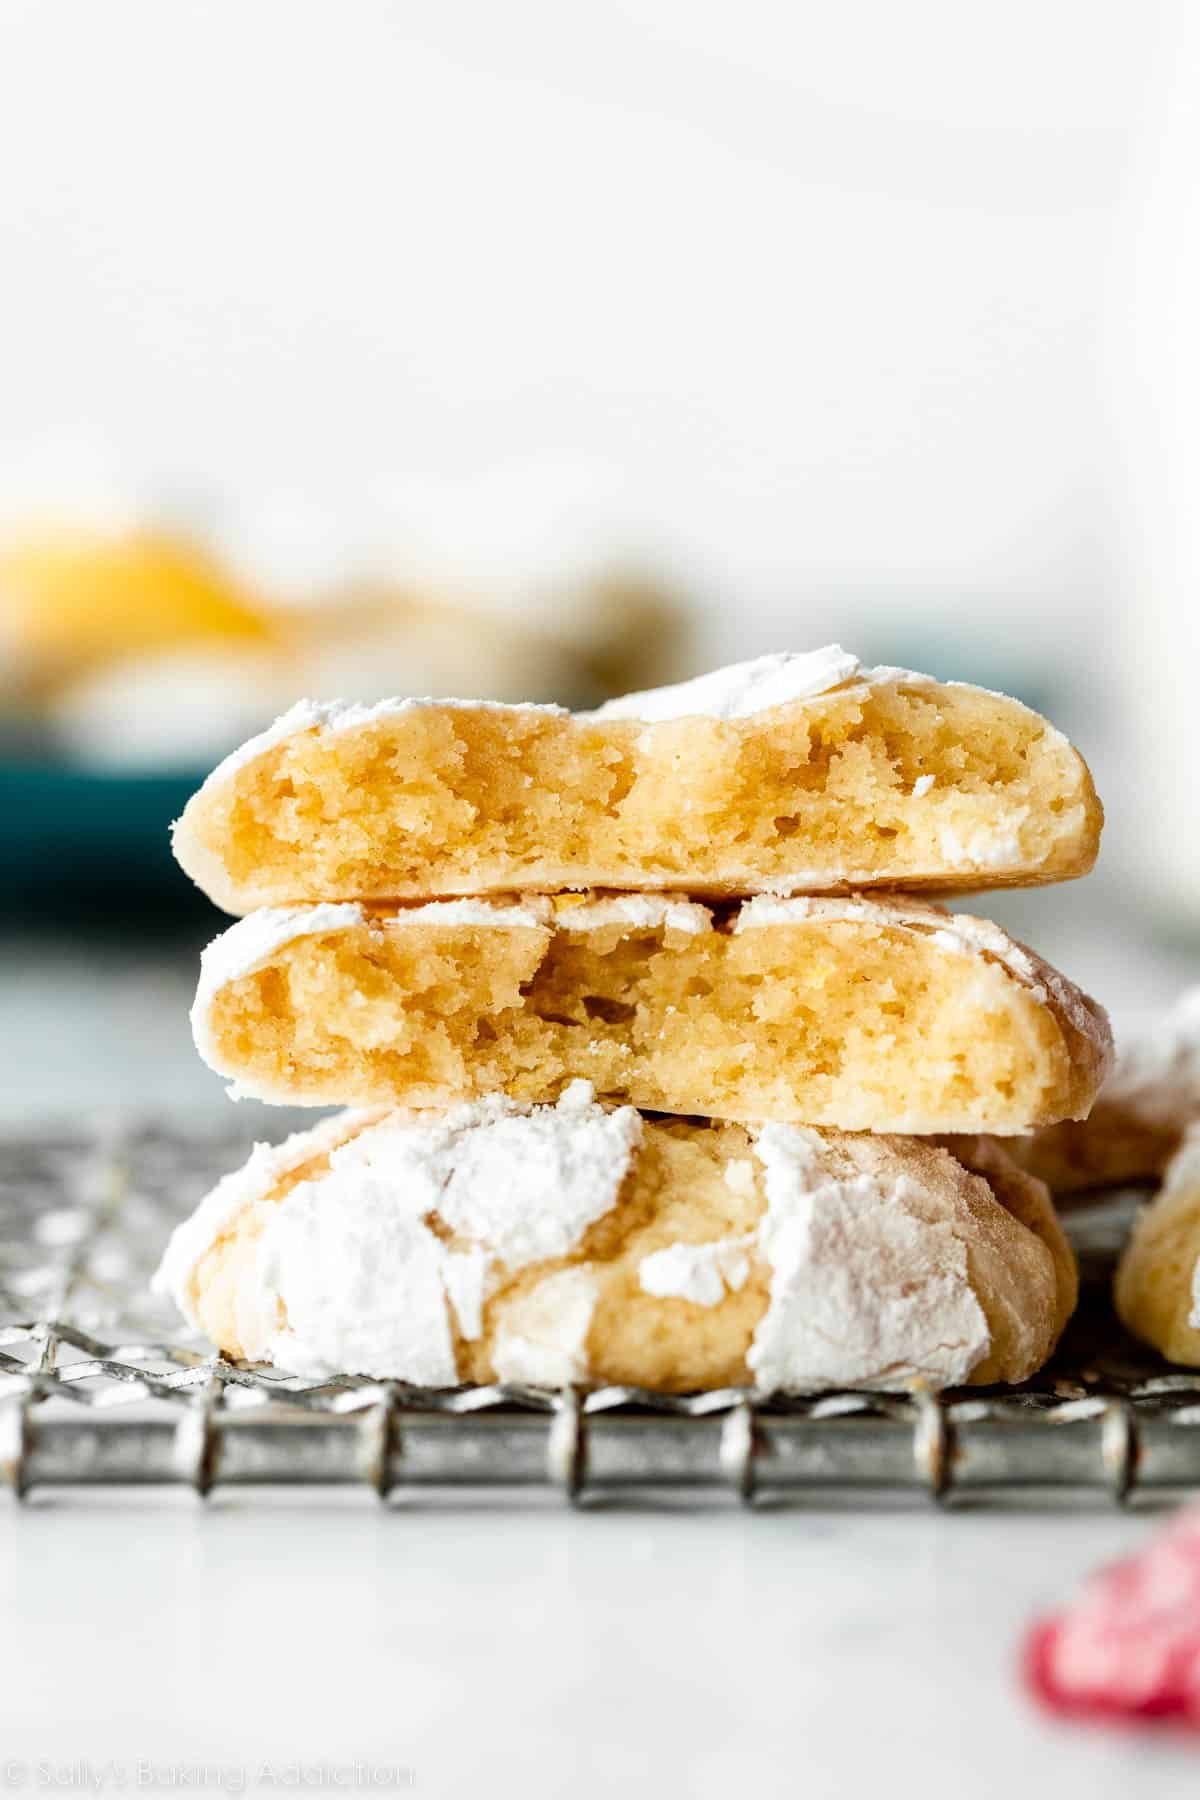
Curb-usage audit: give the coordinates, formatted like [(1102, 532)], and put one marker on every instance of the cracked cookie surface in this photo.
[(588, 1244)]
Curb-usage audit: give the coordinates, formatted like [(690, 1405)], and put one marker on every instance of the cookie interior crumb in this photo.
[(929, 786), (834, 1022)]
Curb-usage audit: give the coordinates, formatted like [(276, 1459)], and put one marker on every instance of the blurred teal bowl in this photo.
[(85, 840)]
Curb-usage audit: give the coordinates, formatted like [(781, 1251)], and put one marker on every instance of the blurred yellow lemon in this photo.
[(70, 600)]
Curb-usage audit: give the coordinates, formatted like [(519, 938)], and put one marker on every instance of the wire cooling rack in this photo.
[(98, 1386)]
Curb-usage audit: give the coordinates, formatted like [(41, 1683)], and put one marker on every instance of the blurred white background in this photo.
[(819, 287), (866, 321)]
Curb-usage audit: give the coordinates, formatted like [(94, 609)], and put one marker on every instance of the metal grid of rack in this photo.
[(99, 1387)]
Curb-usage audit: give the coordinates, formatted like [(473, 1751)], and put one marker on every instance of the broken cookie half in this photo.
[(798, 773), (861, 1015)]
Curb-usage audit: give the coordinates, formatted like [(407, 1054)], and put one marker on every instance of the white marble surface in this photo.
[(530, 1652)]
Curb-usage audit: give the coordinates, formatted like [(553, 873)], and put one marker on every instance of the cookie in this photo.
[(860, 1015), (1140, 1115), (586, 1244), (1158, 1278), (791, 774)]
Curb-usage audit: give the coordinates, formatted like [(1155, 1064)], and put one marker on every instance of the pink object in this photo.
[(1128, 1649)]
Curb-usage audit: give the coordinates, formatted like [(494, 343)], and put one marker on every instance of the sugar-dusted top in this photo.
[(740, 690), (737, 691)]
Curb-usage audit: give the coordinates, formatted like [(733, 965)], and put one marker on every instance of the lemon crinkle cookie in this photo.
[(865, 1015), (793, 773), (1158, 1277), (583, 1243), (1141, 1113)]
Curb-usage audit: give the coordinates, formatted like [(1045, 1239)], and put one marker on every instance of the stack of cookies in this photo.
[(668, 1080)]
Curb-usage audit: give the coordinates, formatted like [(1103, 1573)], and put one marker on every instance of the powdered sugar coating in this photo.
[(995, 845), (865, 1291), (349, 1273), (409, 1229), (529, 1184), (267, 1166), (351, 1278), (531, 911), (636, 912), (701, 1273), (740, 690)]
